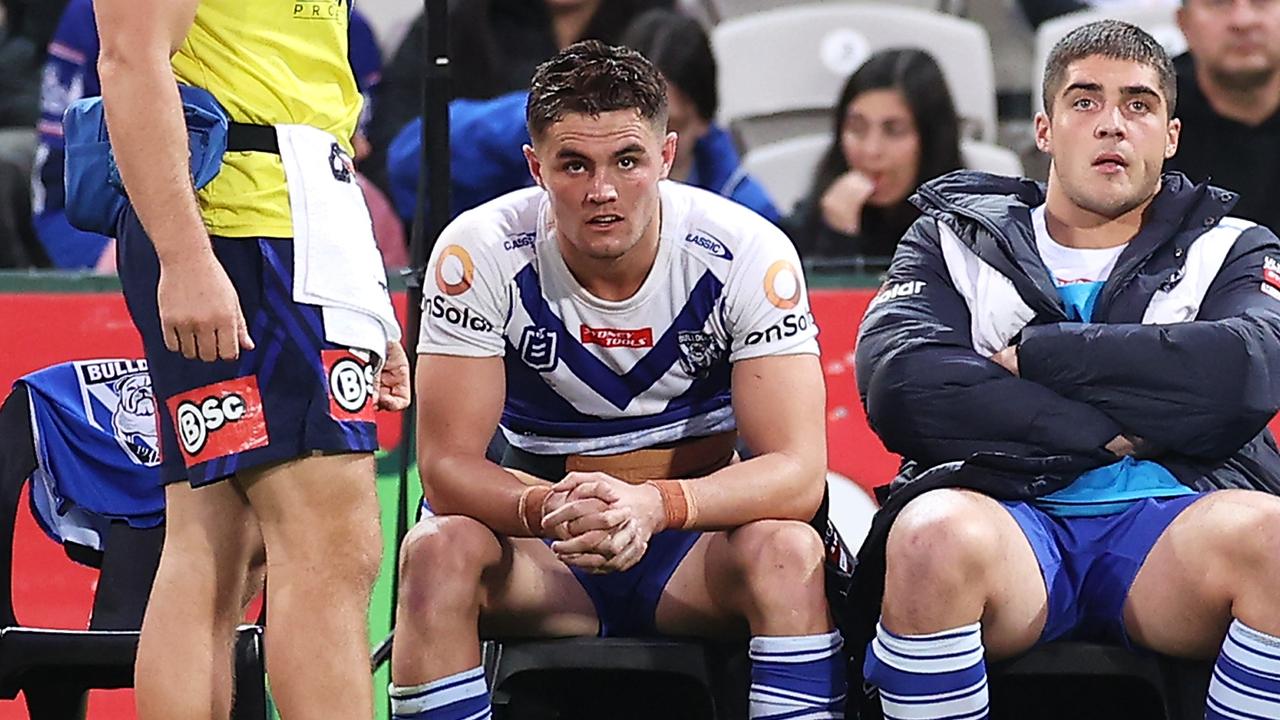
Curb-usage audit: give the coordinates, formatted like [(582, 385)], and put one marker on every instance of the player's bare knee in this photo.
[(441, 561), (1244, 532), (940, 540), (777, 557)]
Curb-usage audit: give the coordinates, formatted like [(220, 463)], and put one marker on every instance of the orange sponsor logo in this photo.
[(454, 271), (782, 285)]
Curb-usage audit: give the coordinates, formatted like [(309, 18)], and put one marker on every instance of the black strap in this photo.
[(547, 467), (243, 137)]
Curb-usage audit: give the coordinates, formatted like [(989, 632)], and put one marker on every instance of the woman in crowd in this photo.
[(895, 127)]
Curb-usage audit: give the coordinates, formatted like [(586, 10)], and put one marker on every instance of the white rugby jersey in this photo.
[(586, 375)]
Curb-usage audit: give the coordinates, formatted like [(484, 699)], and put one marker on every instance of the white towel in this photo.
[(336, 263)]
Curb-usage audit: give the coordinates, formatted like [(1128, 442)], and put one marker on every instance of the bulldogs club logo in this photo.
[(119, 400), (699, 352), (340, 163), (134, 421), (353, 384), (218, 420)]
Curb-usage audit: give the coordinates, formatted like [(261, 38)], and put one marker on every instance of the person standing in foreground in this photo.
[(1079, 368), (270, 339), (621, 330)]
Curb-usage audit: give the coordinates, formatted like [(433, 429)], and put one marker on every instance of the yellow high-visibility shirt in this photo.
[(269, 62)]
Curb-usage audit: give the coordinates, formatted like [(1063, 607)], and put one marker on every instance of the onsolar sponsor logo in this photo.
[(440, 309), (789, 326)]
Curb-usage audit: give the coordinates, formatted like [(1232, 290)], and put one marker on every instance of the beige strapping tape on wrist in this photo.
[(677, 503)]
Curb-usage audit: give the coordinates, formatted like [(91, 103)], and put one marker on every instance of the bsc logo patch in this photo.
[(218, 420), (352, 384)]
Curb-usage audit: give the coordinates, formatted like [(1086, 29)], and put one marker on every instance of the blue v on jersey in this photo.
[(591, 376)]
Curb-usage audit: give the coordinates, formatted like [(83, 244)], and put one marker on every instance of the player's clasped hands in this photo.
[(601, 524)]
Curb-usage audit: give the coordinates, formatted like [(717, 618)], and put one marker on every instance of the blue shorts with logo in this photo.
[(292, 395), (1089, 563), (626, 602)]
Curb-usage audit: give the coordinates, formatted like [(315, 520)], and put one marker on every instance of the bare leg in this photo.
[(768, 574), (319, 520), (955, 558), (184, 666), (455, 576), (1218, 560)]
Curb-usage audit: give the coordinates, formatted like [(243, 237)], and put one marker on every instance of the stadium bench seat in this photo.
[(54, 668), (617, 678), (686, 680), (1179, 685)]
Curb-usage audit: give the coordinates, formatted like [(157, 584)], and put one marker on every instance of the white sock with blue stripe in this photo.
[(799, 677), (1246, 678), (929, 677), (462, 696)]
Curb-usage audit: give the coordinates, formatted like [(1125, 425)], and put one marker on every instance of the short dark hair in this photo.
[(1112, 39), (592, 78), (680, 48)]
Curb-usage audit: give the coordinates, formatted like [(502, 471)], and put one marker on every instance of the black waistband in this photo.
[(243, 137), (547, 467)]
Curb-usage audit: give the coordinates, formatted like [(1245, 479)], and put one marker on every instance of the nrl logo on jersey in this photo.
[(699, 352), (538, 348)]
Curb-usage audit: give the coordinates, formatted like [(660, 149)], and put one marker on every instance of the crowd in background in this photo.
[(894, 125)]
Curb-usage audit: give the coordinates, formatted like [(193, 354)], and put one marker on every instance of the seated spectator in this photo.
[(493, 47), (705, 156), (71, 73), (1229, 102), (19, 247), (895, 127), (25, 29), (486, 136)]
